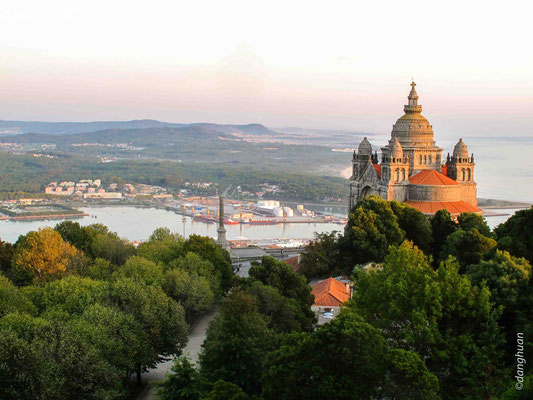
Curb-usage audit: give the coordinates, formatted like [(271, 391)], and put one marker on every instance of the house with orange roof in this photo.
[(330, 295), (294, 262)]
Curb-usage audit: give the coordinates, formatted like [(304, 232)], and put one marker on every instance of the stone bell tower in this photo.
[(460, 167)]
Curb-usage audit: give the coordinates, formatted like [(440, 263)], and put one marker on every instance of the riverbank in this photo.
[(46, 216), (39, 212)]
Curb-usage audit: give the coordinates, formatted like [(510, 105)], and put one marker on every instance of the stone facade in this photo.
[(410, 151)]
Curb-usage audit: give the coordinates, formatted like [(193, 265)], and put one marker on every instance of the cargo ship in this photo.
[(204, 218)]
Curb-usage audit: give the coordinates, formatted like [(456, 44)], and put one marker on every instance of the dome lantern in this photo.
[(365, 148), (460, 150), (396, 150), (412, 107)]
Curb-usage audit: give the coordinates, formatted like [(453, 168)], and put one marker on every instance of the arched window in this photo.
[(420, 160), (425, 159), (469, 174), (430, 159), (403, 174), (463, 174), (397, 175)]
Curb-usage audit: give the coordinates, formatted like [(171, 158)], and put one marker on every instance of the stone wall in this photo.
[(435, 193), (469, 193)]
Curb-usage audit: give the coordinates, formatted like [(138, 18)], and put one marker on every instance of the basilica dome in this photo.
[(413, 129)]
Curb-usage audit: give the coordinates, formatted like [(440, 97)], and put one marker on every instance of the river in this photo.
[(138, 223), (135, 223)]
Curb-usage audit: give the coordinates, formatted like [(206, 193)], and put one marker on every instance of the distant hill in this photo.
[(65, 128), (250, 129), (250, 145), (143, 136), (8, 128)]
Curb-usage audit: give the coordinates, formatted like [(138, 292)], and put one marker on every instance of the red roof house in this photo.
[(330, 293)]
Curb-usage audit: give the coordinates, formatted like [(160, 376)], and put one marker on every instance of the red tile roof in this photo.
[(330, 292), (444, 169), (453, 207), (377, 167), (294, 262), (431, 177)]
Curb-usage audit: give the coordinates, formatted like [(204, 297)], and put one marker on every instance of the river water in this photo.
[(138, 223)]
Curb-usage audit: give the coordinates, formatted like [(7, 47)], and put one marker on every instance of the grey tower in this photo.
[(221, 239)]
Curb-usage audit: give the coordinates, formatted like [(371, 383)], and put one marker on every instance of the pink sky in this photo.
[(339, 65)]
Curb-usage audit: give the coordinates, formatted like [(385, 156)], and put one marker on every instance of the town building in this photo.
[(412, 169), (330, 294)]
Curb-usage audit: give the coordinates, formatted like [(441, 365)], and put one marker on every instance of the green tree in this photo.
[(7, 251), (52, 360), (12, 299), (281, 276), (69, 356), (442, 226), (344, 359), (236, 344), (184, 383), (320, 257), (194, 264), (223, 390), (372, 227), (467, 221), (510, 283), (190, 290), (73, 233), (163, 247), (71, 295), (107, 245), (451, 324), (21, 369), (516, 234), (25, 326), (141, 270), (284, 314), (525, 393), (100, 269), (416, 226), (408, 377), (117, 336), (162, 234), (209, 250), (468, 247), (161, 318)]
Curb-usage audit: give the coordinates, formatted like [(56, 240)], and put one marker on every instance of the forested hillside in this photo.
[(30, 174)]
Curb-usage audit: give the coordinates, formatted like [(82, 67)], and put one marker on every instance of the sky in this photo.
[(311, 64)]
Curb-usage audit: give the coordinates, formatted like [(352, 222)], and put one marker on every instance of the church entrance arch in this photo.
[(367, 191)]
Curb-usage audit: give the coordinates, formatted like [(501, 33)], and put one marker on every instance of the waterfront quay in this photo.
[(270, 212)]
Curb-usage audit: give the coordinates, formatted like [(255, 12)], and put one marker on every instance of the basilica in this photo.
[(412, 169)]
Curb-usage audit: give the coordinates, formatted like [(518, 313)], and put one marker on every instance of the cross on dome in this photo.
[(412, 107)]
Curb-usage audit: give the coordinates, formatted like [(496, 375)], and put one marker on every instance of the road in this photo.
[(192, 350)]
